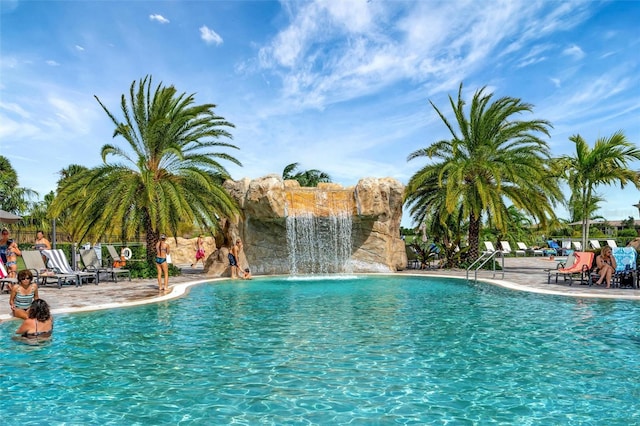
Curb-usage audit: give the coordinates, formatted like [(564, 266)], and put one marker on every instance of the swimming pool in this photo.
[(367, 350)]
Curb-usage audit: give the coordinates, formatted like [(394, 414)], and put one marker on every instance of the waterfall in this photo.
[(319, 243)]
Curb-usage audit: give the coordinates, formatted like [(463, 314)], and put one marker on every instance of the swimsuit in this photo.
[(161, 249), (38, 333), (23, 301), (199, 253), (232, 260), (39, 246)]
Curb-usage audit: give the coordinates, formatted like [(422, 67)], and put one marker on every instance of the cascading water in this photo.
[(319, 244)]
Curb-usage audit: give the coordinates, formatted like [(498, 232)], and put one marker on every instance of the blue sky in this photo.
[(341, 86)]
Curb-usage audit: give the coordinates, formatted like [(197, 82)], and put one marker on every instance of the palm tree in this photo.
[(490, 158), (605, 164), (13, 198), (166, 173), (310, 177)]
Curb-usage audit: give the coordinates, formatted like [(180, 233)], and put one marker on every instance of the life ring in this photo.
[(126, 253)]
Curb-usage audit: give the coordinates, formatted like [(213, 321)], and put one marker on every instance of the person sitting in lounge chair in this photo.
[(606, 264)]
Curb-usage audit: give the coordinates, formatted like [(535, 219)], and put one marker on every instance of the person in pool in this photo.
[(246, 274), (39, 322), (162, 250), (23, 294)]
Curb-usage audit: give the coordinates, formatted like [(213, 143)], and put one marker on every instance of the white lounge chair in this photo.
[(577, 245), (595, 244), (59, 263), (523, 247), (489, 248), (506, 249), (612, 243)]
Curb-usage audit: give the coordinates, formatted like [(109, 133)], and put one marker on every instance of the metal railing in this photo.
[(482, 260)]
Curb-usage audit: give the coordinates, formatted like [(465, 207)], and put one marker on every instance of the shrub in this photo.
[(145, 270)]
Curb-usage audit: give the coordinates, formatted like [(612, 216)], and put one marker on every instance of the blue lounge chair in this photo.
[(553, 250), (626, 260)]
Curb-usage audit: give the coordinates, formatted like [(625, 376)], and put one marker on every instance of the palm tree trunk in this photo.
[(151, 237), (474, 236), (586, 196)]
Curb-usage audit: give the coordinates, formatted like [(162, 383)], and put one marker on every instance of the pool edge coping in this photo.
[(179, 290)]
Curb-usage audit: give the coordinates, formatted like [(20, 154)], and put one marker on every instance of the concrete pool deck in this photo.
[(521, 273)]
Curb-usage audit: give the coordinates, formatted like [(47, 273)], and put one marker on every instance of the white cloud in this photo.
[(80, 48), (574, 51), (555, 81), (159, 18), (52, 63), (15, 108), (210, 36)]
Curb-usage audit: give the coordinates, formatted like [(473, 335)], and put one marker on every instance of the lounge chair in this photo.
[(59, 263), (33, 261), (581, 267), (566, 246), (412, 258), (92, 264), (489, 248), (553, 250), (506, 249), (577, 245), (612, 243), (523, 247), (4, 278), (595, 244), (626, 259), (569, 262), (115, 257)]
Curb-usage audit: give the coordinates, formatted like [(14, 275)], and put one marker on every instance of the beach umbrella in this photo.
[(6, 217)]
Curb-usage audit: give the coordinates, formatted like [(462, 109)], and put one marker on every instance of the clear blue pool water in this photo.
[(369, 350)]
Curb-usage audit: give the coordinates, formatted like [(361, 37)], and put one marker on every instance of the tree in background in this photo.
[(606, 164), (13, 198), (309, 178), (491, 157), (168, 171)]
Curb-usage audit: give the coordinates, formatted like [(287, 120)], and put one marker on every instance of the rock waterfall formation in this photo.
[(288, 229)]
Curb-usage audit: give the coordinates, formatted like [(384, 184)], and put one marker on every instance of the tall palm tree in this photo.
[(606, 164), (310, 177), (491, 157), (166, 173)]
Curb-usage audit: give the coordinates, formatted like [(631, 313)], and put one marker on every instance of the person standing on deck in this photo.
[(162, 250)]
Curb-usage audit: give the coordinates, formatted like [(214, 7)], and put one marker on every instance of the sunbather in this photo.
[(606, 265)]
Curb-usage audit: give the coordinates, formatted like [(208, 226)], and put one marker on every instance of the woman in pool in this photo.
[(606, 264), (23, 294), (162, 250), (39, 323)]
